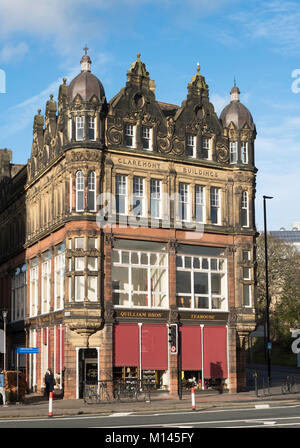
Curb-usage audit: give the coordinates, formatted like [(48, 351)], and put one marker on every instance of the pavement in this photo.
[(35, 406)]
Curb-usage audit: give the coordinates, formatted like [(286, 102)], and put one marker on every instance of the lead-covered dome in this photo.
[(236, 112), (86, 84)]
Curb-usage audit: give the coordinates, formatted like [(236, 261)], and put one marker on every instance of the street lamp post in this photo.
[(268, 348), (4, 315)]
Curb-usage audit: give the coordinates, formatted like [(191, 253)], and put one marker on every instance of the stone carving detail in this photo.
[(222, 153), (115, 133)]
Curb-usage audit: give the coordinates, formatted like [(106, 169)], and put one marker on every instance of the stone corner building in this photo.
[(130, 215)]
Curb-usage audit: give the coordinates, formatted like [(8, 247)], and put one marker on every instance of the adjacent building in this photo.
[(131, 215)]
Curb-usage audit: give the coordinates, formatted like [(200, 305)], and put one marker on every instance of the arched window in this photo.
[(245, 209), (79, 191), (92, 191)]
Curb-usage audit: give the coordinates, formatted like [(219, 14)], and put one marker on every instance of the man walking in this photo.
[(2, 388)]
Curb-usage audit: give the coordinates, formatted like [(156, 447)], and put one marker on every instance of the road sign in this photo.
[(27, 350)]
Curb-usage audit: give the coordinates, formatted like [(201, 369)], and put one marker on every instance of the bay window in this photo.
[(201, 282), (92, 191), (79, 191), (140, 279)]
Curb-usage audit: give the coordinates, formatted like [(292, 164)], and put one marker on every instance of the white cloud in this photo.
[(274, 21), (13, 53)]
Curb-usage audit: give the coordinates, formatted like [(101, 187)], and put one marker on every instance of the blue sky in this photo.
[(257, 42)]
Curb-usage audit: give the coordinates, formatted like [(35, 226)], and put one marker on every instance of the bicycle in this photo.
[(96, 393)]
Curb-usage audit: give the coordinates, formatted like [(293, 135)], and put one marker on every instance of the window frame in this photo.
[(92, 182), (184, 204), (138, 195), (130, 134), (210, 271), (123, 194), (245, 208), (148, 138), (216, 205), (134, 264), (244, 152), (153, 198), (200, 204), (191, 143), (79, 183), (233, 152), (80, 120), (206, 148)]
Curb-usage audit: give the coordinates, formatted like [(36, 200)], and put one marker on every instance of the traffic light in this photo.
[(173, 338)]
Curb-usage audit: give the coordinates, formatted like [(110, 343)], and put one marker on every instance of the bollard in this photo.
[(50, 404), (193, 399)]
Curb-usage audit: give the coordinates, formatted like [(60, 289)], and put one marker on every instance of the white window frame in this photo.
[(245, 207), (244, 152), (215, 202), (233, 150), (79, 190), (138, 194), (191, 143), (80, 127), (92, 189), (162, 264), (46, 285), (206, 146), (34, 280), (92, 127), (248, 286), (122, 192), (59, 269), (129, 131), (155, 196), (221, 268), (184, 201), (200, 201), (148, 136)]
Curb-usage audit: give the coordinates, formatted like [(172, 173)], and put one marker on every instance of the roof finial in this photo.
[(138, 55), (234, 81), (86, 48), (198, 67)]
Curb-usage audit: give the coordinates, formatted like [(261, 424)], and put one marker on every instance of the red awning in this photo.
[(126, 345), (191, 347), (154, 347), (215, 352)]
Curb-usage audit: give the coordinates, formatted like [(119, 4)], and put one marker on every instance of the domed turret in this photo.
[(236, 112), (86, 84)]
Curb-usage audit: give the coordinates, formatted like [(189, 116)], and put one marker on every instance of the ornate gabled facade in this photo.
[(134, 214)]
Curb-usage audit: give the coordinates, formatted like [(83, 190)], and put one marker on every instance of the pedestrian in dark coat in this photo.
[(49, 382)]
